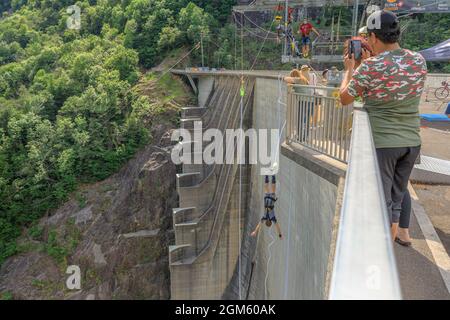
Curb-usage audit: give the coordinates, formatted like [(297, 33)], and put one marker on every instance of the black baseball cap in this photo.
[(383, 22)]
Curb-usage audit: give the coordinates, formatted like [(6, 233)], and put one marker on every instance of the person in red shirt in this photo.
[(305, 30)]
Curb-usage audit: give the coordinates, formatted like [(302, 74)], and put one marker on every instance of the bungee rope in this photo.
[(242, 92), (286, 271), (269, 247), (242, 95), (273, 239)]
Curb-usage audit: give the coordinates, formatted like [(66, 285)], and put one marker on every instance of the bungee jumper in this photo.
[(285, 31), (269, 208)]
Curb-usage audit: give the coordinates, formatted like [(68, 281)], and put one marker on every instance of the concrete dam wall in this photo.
[(205, 262)]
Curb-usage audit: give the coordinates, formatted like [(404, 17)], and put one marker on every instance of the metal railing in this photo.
[(364, 263), (328, 48), (316, 119)]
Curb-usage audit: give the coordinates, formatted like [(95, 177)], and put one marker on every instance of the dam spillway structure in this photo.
[(207, 223)]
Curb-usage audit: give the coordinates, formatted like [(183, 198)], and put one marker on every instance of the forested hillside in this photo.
[(69, 113)]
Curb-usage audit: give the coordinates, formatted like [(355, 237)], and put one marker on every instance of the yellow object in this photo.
[(336, 94), (242, 87), (278, 18)]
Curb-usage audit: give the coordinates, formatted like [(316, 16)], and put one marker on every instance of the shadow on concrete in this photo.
[(420, 278), (445, 239), (444, 126)]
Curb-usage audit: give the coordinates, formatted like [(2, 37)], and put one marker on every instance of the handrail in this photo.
[(364, 262)]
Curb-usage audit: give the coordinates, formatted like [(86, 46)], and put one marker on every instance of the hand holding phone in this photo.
[(356, 49)]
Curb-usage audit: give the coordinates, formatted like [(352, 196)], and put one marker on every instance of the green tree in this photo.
[(169, 38), (426, 31), (194, 22)]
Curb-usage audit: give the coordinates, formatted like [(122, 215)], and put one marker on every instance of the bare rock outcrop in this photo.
[(117, 232)]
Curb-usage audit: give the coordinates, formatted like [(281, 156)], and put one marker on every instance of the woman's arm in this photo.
[(291, 80), (294, 80)]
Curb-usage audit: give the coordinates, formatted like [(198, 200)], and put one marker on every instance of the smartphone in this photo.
[(356, 49)]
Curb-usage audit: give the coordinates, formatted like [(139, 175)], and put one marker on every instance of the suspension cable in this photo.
[(235, 42), (425, 5), (255, 34), (240, 163), (286, 271), (241, 141), (257, 26), (269, 249), (196, 47)]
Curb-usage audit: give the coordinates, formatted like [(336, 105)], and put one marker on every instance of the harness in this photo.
[(269, 203)]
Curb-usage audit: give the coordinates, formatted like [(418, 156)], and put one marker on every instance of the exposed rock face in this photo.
[(117, 231)]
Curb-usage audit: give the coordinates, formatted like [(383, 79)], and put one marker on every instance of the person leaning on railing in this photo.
[(296, 77), (390, 84), (304, 77)]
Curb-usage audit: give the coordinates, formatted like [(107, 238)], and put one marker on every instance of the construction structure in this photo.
[(328, 47)]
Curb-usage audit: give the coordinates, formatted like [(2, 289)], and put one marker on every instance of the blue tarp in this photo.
[(440, 52), (435, 117)]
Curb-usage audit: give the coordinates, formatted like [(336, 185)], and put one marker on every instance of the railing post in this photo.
[(288, 113)]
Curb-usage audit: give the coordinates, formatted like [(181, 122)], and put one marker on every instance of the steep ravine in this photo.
[(117, 231)]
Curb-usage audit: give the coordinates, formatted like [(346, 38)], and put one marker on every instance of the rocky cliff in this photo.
[(117, 231)]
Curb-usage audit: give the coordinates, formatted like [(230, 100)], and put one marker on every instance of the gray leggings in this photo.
[(405, 214), (396, 165)]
